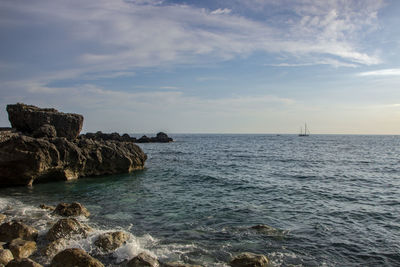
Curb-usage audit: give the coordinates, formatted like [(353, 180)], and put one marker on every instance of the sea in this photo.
[(321, 200)]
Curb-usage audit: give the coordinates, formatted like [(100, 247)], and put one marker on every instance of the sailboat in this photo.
[(306, 131)]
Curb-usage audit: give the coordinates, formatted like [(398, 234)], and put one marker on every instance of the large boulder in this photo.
[(23, 263), (28, 119), (5, 256), (178, 264), (111, 241), (66, 228), (74, 257), (143, 260), (15, 229), (73, 209), (248, 259), (2, 217), (22, 248)]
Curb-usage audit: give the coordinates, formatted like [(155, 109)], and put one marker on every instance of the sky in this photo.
[(210, 66)]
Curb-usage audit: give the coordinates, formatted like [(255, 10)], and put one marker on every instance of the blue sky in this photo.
[(255, 66)]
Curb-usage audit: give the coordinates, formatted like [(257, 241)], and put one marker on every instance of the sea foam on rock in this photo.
[(35, 153), (248, 259)]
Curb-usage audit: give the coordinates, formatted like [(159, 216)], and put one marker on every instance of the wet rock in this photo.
[(22, 248), (46, 130), (143, 260), (65, 228), (28, 119), (47, 207), (73, 209), (74, 257), (111, 241), (2, 217), (14, 229), (178, 264), (270, 231), (248, 259), (53, 248), (5, 256), (23, 263)]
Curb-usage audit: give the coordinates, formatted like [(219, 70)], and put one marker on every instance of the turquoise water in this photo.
[(332, 200)]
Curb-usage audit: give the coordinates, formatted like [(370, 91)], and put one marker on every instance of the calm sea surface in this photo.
[(330, 200)]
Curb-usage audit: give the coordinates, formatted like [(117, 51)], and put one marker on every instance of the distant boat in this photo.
[(306, 131)]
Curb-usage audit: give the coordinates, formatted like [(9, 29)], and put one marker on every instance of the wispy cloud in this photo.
[(383, 72), (220, 11)]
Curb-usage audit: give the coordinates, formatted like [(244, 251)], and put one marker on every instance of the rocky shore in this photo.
[(58, 242), (44, 145)]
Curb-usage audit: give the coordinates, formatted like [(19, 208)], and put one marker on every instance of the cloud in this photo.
[(220, 11), (384, 72)]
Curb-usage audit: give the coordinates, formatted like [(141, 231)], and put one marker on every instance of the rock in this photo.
[(5, 256), (2, 217), (144, 139), (47, 207), (13, 230), (28, 119), (46, 130), (248, 259), (270, 231), (23, 263), (74, 257), (111, 241), (65, 228), (143, 260), (21, 248), (178, 264), (73, 209), (159, 138), (53, 247)]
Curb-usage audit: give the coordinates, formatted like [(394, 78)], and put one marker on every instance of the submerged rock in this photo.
[(143, 260), (22, 248), (73, 209), (5, 256), (111, 241), (74, 257), (47, 207), (65, 228), (13, 230), (23, 263), (248, 259), (28, 119), (270, 231)]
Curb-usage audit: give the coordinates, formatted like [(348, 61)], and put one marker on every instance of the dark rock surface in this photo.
[(160, 138), (248, 259), (22, 248), (74, 257), (111, 241), (28, 119), (23, 263), (73, 209), (25, 159), (65, 228), (143, 260), (16, 229)]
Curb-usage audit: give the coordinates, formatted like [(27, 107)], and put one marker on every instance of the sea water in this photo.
[(324, 200)]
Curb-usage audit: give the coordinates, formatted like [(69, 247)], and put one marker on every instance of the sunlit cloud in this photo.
[(384, 72)]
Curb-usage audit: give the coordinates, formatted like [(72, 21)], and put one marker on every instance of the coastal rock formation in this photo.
[(47, 207), (111, 241), (53, 247), (36, 155), (21, 248), (28, 119), (178, 264), (160, 138), (65, 228), (99, 136), (23, 263), (5, 256), (143, 260), (73, 209), (74, 257), (2, 217), (13, 230), (248, 259)]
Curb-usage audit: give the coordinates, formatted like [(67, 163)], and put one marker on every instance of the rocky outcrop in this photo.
[(99, 136), (111, 241), (143, 260), (178, 264), (160, 138), (36, 155), (5, 256), (248, 259), (65, 228), (23, 263), (13, 230), (2, 217), (30, 119), (47, 207), (73, 209), (21, 248), (74, 257)]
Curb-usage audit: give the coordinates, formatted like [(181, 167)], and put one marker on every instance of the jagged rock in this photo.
[(73, 209), (74, 257), (28, 119), (178, 264), (111, 241), (23, 263), (13, 230), (65, 228), (143, 260), (248, 259), (100, 136), (2, 217), (5, 256), (47, 207), (46, 130), (22, 248), (53, 247), (159, 138)]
